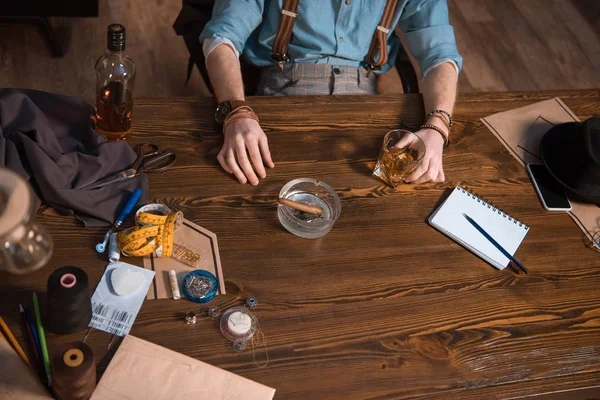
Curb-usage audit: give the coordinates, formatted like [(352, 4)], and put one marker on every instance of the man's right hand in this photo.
[(245, 145)]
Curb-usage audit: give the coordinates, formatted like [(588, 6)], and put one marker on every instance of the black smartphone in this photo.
[(549, 191)]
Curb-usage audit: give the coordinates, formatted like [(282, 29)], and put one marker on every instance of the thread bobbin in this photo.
[(73, 371), (69, 305)]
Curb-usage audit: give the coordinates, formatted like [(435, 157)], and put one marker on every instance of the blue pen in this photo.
[(133, 199), (34, 333), (496, 244)]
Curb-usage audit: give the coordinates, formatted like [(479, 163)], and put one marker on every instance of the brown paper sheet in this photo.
[(521, 131), (196, 237), (143, 370), (17, 381)]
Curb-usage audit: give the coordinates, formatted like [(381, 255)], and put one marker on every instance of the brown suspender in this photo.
[(378, 43), (284, 32)]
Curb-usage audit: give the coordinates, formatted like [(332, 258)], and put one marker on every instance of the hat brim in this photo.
[(561, 154)]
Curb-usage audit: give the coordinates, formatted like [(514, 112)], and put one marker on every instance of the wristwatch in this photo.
[(224, 108)]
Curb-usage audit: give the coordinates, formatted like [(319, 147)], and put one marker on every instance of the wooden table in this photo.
[(384, 306)]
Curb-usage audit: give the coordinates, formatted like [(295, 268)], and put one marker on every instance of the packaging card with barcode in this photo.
[(113, 313)]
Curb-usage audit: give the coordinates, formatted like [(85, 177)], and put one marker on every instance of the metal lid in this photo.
[(116, 36)]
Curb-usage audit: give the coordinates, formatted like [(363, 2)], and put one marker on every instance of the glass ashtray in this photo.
[(309, 191)]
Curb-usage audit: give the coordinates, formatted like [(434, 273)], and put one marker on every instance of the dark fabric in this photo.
[(49, 140), (571, 152), (190, 22)]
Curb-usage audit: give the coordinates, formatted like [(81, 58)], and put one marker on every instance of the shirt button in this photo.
[(341, 39), (337, 71)]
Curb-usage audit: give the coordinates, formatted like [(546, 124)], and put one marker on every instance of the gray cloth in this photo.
[(299, 79), (49, 140)]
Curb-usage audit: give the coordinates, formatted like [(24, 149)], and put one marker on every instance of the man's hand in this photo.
[(430, 169), (245, 137)]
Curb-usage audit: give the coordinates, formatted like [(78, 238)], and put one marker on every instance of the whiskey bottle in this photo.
[(115, 79)]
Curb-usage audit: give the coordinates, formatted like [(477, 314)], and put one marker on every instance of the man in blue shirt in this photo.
[(328, 53)]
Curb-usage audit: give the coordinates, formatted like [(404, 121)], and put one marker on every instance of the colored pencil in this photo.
[(33, 332), (38, 319), (496, 244), (36, 361), (11, 339)]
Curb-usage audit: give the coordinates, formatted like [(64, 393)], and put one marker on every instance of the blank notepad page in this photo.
[(507, 231)]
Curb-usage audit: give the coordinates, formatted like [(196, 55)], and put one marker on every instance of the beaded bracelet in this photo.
[(444, 121), (439, 130), (446, 113)]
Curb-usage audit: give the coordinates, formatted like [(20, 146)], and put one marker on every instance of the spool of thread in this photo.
[(73, 371), (238, 323), (174, 285), (69, 303), (113, 248)]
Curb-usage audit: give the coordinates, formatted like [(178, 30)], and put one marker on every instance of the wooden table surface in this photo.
[(384, 306)]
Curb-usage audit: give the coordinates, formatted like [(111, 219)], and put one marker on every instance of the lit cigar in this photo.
[(301, 206)]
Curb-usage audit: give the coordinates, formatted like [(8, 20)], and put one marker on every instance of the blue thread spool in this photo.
[(200, 286)]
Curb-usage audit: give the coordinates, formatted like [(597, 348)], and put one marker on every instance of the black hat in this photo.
[(571, 152)]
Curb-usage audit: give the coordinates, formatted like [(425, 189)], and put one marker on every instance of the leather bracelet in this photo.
[(439, 130), (239, 115), (444, 121), (238, 109), (444, 112)]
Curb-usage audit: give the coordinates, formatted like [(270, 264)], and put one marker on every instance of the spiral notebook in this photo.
[(507, 231)]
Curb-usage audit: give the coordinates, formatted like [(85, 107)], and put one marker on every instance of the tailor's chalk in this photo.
[(174, 285)]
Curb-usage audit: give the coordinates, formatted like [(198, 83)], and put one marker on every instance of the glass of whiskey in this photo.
[(401, 153)]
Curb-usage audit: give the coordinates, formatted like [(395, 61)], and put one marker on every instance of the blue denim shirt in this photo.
[(333, 32)]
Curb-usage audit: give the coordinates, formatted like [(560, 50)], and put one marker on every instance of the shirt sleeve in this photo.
[(428, 34), (440, 63), (208, 45), (234, 20)]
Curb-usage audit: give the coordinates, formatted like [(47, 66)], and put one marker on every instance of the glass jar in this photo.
[(25, 245)]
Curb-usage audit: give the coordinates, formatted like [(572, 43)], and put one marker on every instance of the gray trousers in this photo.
[(315, 79)]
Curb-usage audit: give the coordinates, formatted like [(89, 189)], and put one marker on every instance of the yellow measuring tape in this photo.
[(154, 233)]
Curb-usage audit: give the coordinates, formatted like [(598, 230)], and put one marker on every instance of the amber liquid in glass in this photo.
[(114, 104), (396, 163)]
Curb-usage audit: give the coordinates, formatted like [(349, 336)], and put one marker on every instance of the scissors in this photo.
[(149, 159)]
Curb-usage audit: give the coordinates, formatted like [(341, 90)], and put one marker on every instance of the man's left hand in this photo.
[(430, 169)]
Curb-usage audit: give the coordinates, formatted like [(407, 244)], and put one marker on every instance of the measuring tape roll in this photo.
[(154, 214), (156, 226)]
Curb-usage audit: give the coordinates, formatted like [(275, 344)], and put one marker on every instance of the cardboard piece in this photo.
[(17, 380), (143, 370), (521, 131), (201, 240)]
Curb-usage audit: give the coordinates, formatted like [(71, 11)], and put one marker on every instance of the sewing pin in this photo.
[(86, 335), (111, 341)]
